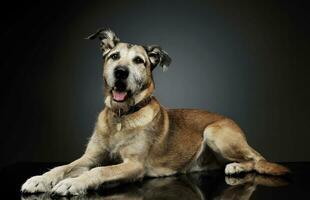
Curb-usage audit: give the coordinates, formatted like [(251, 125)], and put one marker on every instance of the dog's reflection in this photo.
[(193, 187)]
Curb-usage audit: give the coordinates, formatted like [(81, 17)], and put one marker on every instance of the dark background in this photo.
[(248, 60)]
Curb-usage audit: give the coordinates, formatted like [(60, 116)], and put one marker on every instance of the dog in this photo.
[(136, 137)]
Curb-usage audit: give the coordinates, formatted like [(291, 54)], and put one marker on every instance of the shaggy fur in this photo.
[(130, 141)]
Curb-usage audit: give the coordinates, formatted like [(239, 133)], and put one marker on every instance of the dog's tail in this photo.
[(265, 167)]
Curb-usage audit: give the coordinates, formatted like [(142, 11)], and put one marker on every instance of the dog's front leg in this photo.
[(128, 170), (93, 155)]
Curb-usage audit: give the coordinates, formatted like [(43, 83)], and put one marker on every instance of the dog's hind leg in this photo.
[(226, 139)]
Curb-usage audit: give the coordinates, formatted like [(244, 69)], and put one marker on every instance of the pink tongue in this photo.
[(119, 96)]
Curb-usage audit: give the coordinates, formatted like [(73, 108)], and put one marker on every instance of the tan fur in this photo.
[(153, 141)]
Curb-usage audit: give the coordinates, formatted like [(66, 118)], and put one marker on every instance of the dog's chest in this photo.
[(124, 139)]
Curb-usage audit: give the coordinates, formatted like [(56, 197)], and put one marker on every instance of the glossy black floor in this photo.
[(196, 186)]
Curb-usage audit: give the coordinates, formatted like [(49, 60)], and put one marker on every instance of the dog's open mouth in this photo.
[(119, 96), (119, 91)]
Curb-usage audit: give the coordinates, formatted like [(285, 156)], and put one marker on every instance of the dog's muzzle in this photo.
[(119, 92)]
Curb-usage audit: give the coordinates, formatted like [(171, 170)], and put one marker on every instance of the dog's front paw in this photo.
[(69, 186), (37, 184)]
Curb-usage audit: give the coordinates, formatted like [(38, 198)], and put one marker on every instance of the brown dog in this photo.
[(135, 136)]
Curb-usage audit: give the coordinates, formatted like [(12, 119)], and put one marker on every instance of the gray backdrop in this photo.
[(246, 60)]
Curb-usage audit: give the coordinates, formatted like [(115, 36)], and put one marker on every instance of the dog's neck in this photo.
[(133, 105), (119, 112)]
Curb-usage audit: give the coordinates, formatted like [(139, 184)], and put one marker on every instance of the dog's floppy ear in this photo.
[(107, 38), (157, 56)]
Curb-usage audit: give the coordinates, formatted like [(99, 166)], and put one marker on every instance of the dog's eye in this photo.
[(115, 56), (138, 60)]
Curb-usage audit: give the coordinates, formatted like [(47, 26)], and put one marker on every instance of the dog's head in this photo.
[(127, 69)]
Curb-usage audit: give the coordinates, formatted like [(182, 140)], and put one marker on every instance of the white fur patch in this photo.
[(234, 168), (37, 184), (107, 101)]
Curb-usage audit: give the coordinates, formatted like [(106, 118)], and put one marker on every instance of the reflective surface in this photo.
[(195, 186)]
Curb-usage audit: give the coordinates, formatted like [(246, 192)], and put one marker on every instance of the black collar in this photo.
[(132, 109)]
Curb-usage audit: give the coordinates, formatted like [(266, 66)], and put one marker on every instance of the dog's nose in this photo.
[(121, 72)]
